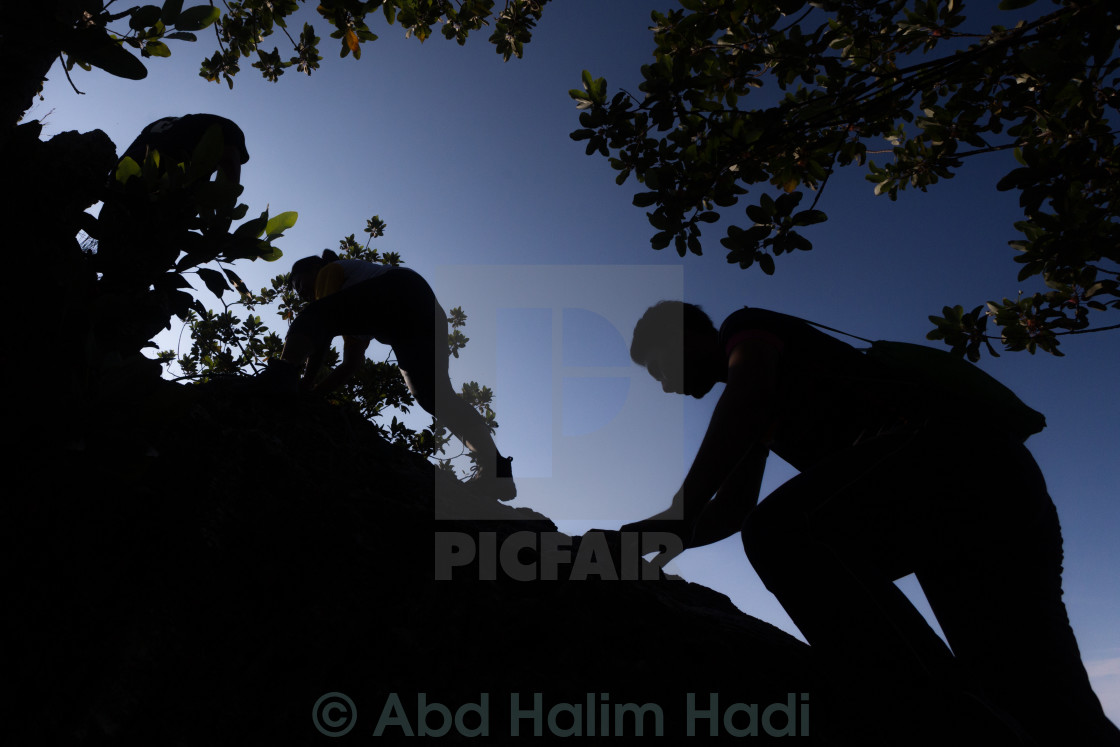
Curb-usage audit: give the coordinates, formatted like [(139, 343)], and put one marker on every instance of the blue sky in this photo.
[(468, 160)]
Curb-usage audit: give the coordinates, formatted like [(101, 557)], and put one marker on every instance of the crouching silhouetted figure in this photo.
[(176, 138), (364, 301), (893, 480)]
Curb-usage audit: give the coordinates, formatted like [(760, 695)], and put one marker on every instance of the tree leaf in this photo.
[(126, 169), (197, 18), (280, 223), (214, 281), (809, 217), (660, 240), (143, 17), (171, 11), (252, 228), (157, 48), (93, 46), (758, 214), (269, 253), (237, 282)]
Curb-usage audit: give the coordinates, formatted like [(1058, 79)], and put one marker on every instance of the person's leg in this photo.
[(430, 384), (999, 603), (307, 340), (297, 348), (830, 543), (361, 309), (422, 355), (311, 333)]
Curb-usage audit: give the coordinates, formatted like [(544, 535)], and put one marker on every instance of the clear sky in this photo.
[(469, 162)]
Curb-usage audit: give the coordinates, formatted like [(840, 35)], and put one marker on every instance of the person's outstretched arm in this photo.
[(739, 426), (724, 515)]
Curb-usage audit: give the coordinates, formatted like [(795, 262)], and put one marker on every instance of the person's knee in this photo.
[(772, 540), (426, 399), (758, 541), (456, 411), (422, 388)]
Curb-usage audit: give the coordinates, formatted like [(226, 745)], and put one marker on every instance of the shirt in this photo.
[(831, 395), (345, 273)]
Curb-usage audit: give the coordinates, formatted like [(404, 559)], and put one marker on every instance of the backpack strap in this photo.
[(837, 331)]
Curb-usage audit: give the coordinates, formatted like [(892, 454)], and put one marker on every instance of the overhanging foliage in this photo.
[(911, 81)]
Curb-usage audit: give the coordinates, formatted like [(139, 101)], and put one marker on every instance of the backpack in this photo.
[(951, 375)]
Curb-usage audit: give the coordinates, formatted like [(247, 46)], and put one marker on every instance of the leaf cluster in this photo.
[(245, 25), (905, 78), (91, 42), (90, 34)]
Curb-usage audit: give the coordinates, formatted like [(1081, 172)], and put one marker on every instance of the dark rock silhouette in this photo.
[(223, 559)]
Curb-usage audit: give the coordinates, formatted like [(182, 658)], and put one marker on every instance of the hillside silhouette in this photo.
[(201, 564), (224, 559)]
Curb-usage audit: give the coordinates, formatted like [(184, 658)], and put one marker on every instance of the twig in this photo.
[(68, 78), (1085, 331)]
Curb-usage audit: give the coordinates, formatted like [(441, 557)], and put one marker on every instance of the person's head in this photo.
[(304, 272), (678, 344)]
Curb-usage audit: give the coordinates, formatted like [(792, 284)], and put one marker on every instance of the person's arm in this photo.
[(724, 515), (317, 353), (353, 353), (739, 426)]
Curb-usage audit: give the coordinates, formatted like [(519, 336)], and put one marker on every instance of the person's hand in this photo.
[(679, 527), (612, 537), (628, 543)]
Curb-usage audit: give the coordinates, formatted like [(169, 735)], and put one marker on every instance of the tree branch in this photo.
[(68, 78)]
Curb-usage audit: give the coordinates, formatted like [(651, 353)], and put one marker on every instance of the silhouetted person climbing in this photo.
[(176, 138), (363, 301), (147, 222), (126, 225), (894, 479)]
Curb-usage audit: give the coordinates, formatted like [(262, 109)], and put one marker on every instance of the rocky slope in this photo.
[(222, 560)]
